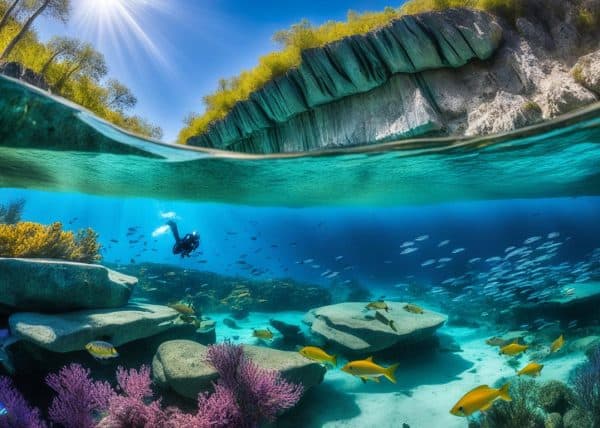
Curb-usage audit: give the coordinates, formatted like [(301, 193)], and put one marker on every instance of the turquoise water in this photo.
[(499, 234)]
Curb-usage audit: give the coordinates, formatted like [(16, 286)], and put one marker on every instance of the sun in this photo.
[(121, 25)]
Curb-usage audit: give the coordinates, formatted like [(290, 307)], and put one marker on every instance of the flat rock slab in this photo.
[(350, 327), (580, 292), (55, 286), (72, 331), (181, 365)]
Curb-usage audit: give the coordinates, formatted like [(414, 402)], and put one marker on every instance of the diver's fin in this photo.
[(389, 372), (504, 393)]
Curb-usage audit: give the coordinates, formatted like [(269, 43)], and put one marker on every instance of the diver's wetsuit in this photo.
[(185, 246)]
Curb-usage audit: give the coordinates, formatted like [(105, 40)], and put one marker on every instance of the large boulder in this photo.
[(56, 286), (349, 327), (587, 71), (181, 365), (72, 331)]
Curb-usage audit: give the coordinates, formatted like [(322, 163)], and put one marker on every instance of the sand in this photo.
[(428, 386)]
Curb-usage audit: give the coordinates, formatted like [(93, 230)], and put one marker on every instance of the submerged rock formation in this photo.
[(349, 327), (73, 330), (55, 286), (456, 72), (180, 365)]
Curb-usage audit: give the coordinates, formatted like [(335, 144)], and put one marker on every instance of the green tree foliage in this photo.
[(73, 69)]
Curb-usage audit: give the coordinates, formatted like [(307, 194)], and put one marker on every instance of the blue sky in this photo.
[(196, 43)]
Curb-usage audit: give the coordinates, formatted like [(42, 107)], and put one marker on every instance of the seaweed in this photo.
[(521, 412), (11, 213), (586, 384)]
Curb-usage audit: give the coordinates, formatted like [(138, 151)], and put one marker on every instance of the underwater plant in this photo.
[(11, 213), (18, 413), (79, 399), (586, 384), (521, 412), (34, 240), (260, 395)]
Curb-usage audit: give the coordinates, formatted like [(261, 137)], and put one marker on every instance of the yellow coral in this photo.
[(34, 240)]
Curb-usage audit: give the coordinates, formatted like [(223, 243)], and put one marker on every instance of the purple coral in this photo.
[(260, 394), (134, 409), (79, 399), (20, 414), (586, 383)]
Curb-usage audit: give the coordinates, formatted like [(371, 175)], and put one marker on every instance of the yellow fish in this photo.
[(414, 309), (101, 350), (479, 399), (557, 344), (513, 349), (379, 304), (368, 370), (264, 334), (532, 369), (182, 308), (317, 354)]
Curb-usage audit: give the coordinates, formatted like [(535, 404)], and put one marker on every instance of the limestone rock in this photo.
[(55, 286), (181, 366), (347, 326), (561, 94), (587, 71), (504, 113), (72, 331)]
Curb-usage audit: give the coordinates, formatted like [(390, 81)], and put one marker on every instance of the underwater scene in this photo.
[(393, 220)]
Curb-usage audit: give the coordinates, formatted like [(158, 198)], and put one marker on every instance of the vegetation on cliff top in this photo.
[(304, 35), (72, 69)]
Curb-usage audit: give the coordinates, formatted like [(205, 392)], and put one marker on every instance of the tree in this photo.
[(120, 97), (8, 12), (87, 62), (60, 47), (58, 9)]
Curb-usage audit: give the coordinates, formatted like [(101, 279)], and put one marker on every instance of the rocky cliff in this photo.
[(456, 72)]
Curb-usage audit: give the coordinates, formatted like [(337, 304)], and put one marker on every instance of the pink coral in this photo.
[(79, 399), (19, 413)]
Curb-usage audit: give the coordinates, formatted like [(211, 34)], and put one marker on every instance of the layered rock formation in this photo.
[(55, 286), (180, 365), (456, 72), (348, 327)]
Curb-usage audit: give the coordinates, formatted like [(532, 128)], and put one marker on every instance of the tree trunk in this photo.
[(49, 62), (8, 12), (9, 48), (64, 79)]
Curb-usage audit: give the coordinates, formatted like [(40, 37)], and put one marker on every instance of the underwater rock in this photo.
[(587, 72), (55, 286), (348, 326), (292, 335), (584, 344), (562, 94), (73, 330), (180, 365), (578, 301)]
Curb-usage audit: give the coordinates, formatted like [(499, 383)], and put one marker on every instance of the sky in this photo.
[(172, 52)]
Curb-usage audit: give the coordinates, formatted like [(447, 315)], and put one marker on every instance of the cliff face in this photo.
[(456, 72)]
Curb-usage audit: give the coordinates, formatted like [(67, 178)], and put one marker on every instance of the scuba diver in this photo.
[(186, 245)]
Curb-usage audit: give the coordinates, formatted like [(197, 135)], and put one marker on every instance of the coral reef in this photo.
[(79, 399), (34, 240), (521, 412), (19, 413), (586, 384), (555, 397)]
